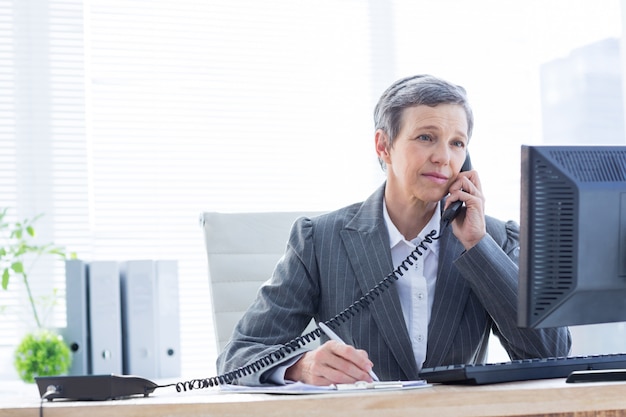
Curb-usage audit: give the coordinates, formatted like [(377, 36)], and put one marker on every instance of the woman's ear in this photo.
[(382, 146)]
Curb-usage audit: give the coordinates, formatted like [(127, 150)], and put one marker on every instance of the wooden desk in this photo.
[(531, 398)]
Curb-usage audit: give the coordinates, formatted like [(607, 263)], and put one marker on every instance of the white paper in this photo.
[(302, 388)]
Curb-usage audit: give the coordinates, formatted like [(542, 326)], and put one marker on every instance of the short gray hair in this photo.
[(413, 91)]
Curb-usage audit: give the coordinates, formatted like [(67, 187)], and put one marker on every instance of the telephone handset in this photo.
[(455, 208)]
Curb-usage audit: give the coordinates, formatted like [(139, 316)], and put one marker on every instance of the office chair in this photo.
[(242, 251)]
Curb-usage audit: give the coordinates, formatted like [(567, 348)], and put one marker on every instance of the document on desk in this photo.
[(302, 388)]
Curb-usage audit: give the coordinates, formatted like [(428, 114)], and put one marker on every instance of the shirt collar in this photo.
[(396, 237)]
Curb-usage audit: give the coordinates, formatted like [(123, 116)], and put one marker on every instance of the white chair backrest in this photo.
[(242, 251)]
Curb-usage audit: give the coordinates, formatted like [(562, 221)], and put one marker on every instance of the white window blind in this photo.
[(42, 145), (123, 120), (226, 106)]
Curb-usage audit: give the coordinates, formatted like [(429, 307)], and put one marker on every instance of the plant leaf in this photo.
[(31, 230), (18, 267), (5, 278), (57, 251)]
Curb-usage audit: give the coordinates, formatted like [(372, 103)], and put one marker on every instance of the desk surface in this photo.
[(529, 398)]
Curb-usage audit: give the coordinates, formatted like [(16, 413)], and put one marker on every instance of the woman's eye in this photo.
[(425, 138)]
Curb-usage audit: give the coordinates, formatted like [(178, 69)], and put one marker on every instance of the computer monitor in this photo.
[(572, 235)]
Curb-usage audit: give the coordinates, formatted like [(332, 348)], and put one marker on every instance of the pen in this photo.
[(333, 336)]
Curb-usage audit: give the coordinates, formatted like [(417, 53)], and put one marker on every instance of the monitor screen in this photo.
[(572, 235)]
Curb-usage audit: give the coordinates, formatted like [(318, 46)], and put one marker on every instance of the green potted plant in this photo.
[(41, 352)]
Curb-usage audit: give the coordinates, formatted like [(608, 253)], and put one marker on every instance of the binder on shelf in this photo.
[(76, 334), (105, 317), (168, 319), (151, 318), (139, 324)]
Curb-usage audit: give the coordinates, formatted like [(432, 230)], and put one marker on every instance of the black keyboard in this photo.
[(522, 370)]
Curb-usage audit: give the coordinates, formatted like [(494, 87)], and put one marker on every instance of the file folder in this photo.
[(76, 334), (151, 318), (168, 319), (105, 317), (139, 299)]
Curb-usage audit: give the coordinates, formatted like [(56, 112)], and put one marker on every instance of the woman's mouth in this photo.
[(436, 177)]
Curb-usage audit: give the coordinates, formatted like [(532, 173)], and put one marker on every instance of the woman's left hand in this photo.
[(469, 226)]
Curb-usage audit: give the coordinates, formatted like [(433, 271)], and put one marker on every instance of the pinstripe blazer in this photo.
[(333, 259)]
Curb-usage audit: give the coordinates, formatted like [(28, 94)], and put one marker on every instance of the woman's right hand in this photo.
[(331, 363)]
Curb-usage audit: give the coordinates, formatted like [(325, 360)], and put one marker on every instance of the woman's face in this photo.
[(428, 152)]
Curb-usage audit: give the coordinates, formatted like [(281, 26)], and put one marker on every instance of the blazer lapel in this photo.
[(367, 243), (451, 294)]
